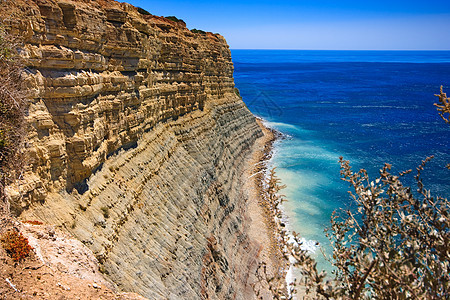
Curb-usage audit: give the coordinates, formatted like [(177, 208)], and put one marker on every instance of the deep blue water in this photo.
[(370, 107)]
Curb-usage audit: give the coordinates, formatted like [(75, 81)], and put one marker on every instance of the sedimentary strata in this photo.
[(136, 146)]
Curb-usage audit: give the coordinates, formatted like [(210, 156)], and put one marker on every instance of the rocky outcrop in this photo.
[(136, 146)]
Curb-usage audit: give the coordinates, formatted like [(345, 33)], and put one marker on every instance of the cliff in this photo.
[(136, 146)]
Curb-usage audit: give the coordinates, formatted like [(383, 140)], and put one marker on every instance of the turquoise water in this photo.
[(371, 107)]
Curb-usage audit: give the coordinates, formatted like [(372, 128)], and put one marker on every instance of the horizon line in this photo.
[(284, 49)]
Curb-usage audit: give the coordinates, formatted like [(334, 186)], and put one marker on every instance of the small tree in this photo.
[(394, 245)]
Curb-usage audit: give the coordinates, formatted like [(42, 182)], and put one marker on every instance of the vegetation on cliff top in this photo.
[(198, 31), (143, 11), (175, 19)]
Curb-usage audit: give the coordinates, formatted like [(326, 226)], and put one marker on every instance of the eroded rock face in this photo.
[(136, 144)]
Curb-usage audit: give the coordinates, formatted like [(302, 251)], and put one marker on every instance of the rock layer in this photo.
[(137, 142)]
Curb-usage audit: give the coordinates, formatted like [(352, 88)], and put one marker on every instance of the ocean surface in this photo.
[(370, 107)]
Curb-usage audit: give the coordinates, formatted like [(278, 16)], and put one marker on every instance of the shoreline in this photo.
[(265, 226)]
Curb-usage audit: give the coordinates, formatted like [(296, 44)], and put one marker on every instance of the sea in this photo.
[(370, 107)]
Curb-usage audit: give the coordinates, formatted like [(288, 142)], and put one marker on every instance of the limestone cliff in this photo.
[(136, 145)]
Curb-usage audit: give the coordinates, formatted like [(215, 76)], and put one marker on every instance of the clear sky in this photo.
[(316, 24)]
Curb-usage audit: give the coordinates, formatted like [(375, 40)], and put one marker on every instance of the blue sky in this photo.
[(316, 24)]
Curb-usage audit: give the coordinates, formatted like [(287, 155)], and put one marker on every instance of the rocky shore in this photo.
[(265, 226)]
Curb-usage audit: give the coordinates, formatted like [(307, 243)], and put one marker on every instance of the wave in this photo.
[(385, 106)]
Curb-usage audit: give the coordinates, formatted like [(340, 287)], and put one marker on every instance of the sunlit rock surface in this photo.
[(136, 145)]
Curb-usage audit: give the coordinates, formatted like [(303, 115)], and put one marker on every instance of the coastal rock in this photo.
[(136, 146)]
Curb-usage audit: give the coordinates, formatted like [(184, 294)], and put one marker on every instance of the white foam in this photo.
[(280, 126), (300, 183)]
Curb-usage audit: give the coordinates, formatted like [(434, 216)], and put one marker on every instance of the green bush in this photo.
[(175, 19), (198, 31), (105, 211), (143, 11), (236, 91)]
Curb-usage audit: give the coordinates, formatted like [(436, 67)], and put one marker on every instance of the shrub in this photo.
[(175, 19), (143, 11), (198, 31), (12, 110), (16, 245), (394, 244), (105, 211), (236, 91)]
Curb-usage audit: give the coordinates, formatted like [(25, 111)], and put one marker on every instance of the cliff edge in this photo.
[(136, 146)]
